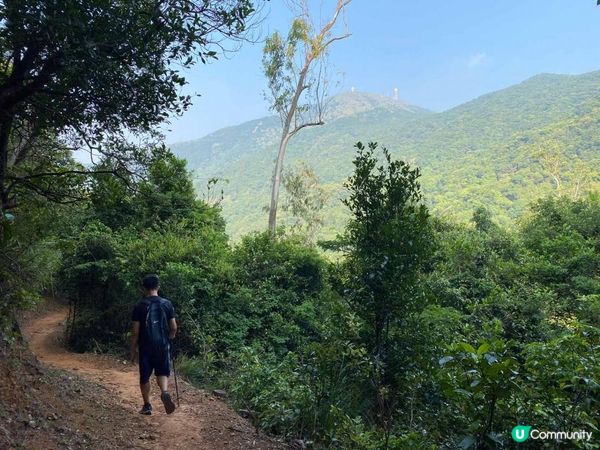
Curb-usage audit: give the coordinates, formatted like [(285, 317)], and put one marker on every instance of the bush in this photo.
[(275, 392), (103, 272), (29, 263)]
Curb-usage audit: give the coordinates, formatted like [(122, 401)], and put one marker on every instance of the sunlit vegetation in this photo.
[(500, 151), (430, 290), (421, 332)]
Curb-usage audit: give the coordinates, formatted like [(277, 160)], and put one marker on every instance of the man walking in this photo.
[(153, 326)]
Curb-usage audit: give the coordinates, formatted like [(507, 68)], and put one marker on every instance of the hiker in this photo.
[(153, 326)]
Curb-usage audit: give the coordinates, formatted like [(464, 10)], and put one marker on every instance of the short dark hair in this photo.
[(151, 282)]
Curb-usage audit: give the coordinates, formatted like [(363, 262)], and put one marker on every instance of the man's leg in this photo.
[(163, 371), (145, 388), (163, 383), (145, 372)]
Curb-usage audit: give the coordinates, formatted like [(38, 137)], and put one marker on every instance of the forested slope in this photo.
[(489, 151)]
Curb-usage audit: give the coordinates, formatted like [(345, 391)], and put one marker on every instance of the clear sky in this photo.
[(438, 53)]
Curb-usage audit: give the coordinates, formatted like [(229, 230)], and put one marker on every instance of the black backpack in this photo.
[(157, 328)]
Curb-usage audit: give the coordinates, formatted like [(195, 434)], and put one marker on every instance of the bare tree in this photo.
[(550, 156), (295, 68)]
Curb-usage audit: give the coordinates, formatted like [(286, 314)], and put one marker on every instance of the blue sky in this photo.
[(438, 54)]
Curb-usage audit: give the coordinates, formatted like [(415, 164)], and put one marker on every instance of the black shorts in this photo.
[(159, 363)]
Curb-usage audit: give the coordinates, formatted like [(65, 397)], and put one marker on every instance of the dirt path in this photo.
[(202, 421)]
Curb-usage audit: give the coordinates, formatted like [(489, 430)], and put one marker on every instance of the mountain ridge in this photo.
[(364, 97), (543, 75), (475, 139)]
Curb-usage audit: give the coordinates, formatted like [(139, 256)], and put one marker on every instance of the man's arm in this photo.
[(135, 337), (172, 328)]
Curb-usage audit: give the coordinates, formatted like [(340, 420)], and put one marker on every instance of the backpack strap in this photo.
[(147, 301)]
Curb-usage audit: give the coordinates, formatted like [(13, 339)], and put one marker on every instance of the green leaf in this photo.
[(483, 348), (466, 347), (491, 359)]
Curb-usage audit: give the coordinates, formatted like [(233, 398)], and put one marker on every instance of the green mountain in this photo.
[(501, 150)]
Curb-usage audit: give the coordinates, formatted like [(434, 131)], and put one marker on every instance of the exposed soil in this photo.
[(75, 401)]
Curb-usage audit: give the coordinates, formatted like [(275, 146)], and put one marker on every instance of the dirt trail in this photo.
[(201, 422)]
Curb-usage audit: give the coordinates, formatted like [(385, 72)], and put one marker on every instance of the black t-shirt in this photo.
[(141, 310)]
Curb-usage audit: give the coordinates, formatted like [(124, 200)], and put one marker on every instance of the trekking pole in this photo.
[(175, 376)]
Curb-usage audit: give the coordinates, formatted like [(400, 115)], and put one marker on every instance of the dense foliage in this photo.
[(411, 331), (30, 257)]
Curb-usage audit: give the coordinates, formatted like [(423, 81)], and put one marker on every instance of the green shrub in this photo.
[(274, 391)]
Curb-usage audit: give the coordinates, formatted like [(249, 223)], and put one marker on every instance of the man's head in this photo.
[(151, 283)]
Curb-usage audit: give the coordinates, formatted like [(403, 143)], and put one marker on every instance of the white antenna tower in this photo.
[(396, 94), (352, 89)]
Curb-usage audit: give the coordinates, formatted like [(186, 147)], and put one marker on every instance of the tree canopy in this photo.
[(96, 72)]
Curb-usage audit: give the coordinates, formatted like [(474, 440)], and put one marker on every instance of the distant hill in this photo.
[(498, 150), (214, 154)]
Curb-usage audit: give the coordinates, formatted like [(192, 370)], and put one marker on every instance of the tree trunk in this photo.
[(277, 181), (5, 127), (285, 138)]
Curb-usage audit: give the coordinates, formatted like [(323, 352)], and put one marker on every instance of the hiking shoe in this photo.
[(169, 405), (146, 410)]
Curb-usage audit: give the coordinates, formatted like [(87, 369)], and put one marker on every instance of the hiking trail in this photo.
[(201, 422)]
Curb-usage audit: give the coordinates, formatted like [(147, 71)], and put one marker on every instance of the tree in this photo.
[(551, 159), (305, 201), (295, 71), (94, 72), (386, 242)]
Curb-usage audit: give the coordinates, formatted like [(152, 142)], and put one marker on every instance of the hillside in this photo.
[(215, 154), (484, 152)]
